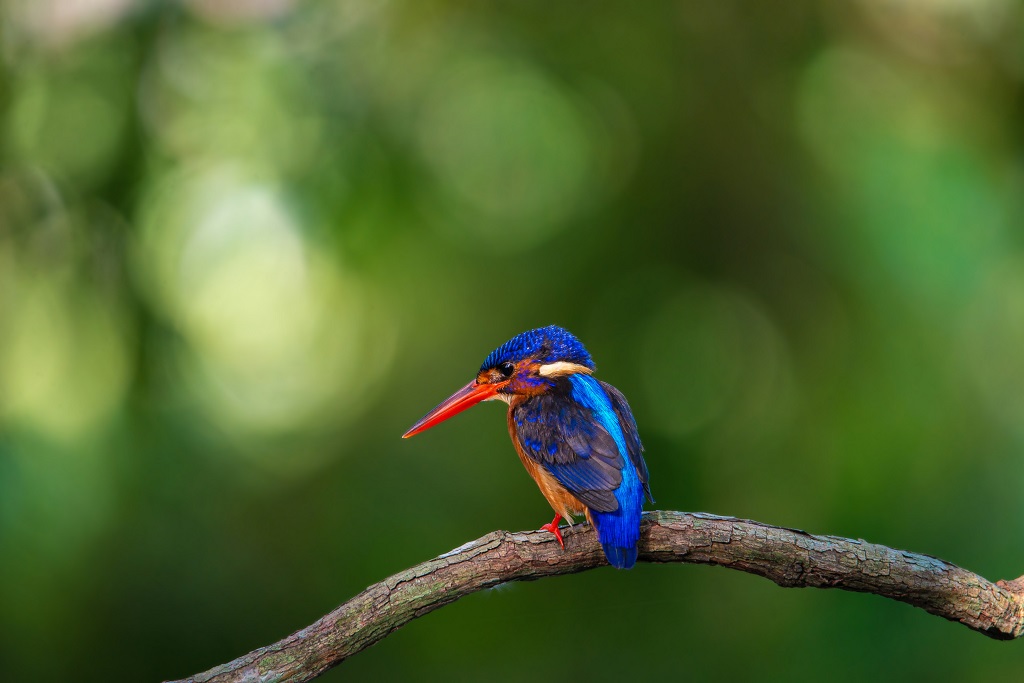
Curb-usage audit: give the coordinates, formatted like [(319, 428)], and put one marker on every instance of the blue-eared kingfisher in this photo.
[(574, 434)]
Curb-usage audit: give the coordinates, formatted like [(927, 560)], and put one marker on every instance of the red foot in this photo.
[(553, 528)]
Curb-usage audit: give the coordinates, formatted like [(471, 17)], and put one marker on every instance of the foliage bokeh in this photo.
[(243, 246)]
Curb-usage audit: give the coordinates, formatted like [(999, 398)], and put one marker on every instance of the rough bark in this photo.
[(789, 557)]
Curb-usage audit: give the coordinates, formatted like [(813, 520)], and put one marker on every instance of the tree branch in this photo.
[(789, 557)]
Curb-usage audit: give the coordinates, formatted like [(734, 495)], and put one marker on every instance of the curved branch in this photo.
[(789, 557)]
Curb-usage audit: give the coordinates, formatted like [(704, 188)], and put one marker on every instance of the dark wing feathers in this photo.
[(629, 431), (563, 436)]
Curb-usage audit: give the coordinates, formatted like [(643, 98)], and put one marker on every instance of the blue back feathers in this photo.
[(548, 344), (618, 530)]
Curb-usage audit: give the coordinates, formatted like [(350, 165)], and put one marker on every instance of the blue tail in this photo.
[(620, 558), (618, 533)]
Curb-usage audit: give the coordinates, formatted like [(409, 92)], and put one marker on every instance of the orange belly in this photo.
[(561, 501)]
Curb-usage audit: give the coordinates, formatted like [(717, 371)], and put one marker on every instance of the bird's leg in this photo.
[(553, 528)]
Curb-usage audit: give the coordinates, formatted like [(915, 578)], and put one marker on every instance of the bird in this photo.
[(574, 434)]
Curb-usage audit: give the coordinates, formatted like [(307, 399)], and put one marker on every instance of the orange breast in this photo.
[(561, 501)]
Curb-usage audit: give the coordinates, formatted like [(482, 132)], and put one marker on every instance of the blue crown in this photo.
[(548, 344)]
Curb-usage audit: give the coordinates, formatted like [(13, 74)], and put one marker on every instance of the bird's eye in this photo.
[(506, 369)]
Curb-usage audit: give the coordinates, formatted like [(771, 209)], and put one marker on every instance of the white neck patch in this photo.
[(561, 368)]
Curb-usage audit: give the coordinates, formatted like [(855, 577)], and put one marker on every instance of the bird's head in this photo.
[(527, 364)]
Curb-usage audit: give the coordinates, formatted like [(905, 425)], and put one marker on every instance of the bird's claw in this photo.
[(553, 528)]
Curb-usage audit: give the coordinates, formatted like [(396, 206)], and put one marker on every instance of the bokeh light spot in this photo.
[(509, 148), (926, 214), (709, 352), (63, 358), (68, 126), (278, 338), (211, 97)]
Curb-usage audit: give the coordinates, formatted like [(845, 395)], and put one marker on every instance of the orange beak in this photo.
[(466, 397)]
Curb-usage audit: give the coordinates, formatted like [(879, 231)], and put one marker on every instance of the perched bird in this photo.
[(574, 434)]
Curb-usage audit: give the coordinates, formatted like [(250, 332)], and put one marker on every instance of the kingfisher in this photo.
[(575, 434)]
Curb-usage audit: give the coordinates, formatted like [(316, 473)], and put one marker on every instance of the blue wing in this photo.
[(561, 434), (584, 434)]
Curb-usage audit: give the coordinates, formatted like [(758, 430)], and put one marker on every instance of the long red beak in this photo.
[(466, 397)]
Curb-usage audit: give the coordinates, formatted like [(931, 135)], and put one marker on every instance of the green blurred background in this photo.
[(245, 245)]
